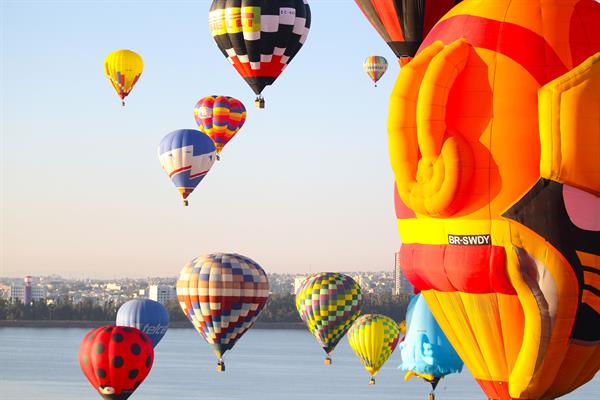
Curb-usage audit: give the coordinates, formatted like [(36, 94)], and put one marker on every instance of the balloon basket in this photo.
[(328, 361), (372, 381), (123, 103), (220, 366), (186, 203), (259, 102)]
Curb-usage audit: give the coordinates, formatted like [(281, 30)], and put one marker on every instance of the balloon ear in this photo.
[(432, 164), (569, 120)]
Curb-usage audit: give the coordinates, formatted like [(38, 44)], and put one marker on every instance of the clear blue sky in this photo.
[(306, 184)]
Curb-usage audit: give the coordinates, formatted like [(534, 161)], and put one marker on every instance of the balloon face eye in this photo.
[(106, 390)]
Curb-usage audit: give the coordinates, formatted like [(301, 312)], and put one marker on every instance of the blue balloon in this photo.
[(147, 315), (425, 350), (186, 155)]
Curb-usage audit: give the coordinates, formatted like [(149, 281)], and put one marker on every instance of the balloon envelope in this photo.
[(186, 155), (404, 24), (425, 349), (497, 192), (123, 69), (375, 67), (222, 294), (147, 315), (259, 38), (373, 337), (115, 360), (220, 118), (328, 302)]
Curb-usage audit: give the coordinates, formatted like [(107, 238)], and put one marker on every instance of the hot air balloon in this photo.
[(404, 24), (186, 155), (147, 315), (220, 118), (495, 154), (425, 351), (222, 294), (123, 69), (373, 337), (375, 67), (259, 38), (328, 303), (116, 360)]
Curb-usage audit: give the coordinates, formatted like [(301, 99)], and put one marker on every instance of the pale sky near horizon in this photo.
[(305, 186)]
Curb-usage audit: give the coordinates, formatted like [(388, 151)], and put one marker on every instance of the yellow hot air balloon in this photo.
[(123, 69), (373, 337)]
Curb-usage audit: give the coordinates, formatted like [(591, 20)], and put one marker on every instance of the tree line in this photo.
[(279, 308)]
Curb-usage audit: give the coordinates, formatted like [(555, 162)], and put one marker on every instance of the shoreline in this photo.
[(95, 324)]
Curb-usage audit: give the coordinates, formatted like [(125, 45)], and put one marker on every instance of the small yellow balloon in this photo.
[(373, 337), (123, 69)]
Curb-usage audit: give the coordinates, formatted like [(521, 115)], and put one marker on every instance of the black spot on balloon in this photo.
[(138, 383), (136, 349), (128, 329), (99, 348), (143, 337), (148, 361), (107, 329), (117, 337), (100, 373), (117, 361), (133, 373), (85, 360), (89, 338)]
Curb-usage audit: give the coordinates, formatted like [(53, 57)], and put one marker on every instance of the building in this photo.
[(25, 292), (162, 293), (113, 287), (298, 282), (359, 280), (401, 284)]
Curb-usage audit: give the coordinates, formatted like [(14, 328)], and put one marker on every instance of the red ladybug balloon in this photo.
[(116, 360)]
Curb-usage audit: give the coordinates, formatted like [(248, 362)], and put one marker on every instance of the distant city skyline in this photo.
[(306, 185)]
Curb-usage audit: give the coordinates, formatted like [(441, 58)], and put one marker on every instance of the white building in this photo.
[(113, 287), (17, 292), (359, 280), (401, 284), (162, 293), (298, 282)]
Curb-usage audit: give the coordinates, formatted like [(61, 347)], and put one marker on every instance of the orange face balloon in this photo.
[(494, 138)]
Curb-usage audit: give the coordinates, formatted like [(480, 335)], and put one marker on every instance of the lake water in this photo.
[(41, 364)]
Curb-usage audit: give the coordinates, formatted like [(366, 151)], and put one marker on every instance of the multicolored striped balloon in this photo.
[(259, 37), (375, 67), (220, 117), (373, 337), (222, 295), (123, 68), (328, 302)]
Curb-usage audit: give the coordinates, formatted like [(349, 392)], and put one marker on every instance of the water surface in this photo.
[(41, 364)]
